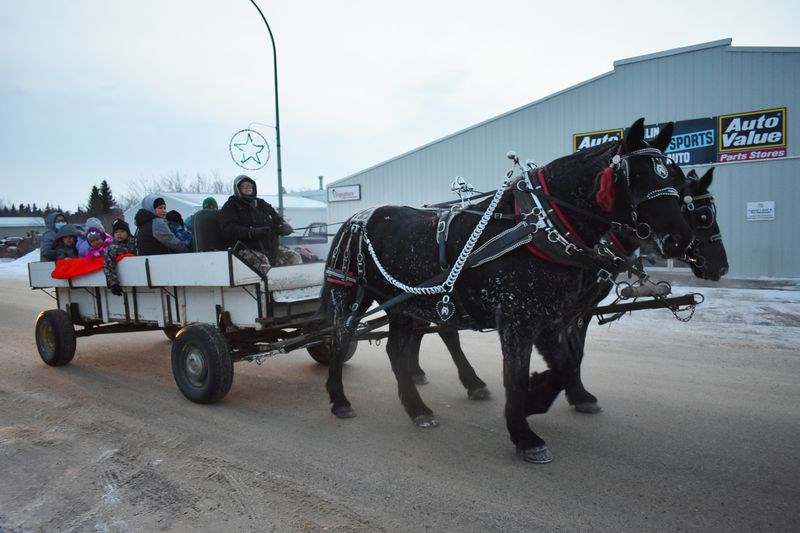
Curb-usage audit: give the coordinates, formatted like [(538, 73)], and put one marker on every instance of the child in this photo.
[(175, 222), (122, 244), (98, 240), (64, 245)]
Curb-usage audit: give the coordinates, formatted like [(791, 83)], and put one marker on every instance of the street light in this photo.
[(277, 115)]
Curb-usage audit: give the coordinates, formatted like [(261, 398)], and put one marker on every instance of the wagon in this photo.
[(211, 303)]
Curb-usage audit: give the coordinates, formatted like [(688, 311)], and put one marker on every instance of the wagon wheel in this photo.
[(201, 363), (171, 331), (321, 352), (55, 337)]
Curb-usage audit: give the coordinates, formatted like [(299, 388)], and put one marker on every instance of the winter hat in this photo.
[(66, 231), (158, 201), (174, 216), (93, 234), (93, 222), (210, 203), (120, 224)]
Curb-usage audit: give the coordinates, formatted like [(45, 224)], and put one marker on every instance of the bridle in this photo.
[(703, 217)]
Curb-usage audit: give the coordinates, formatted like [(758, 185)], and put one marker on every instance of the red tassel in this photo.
[(605, 190)]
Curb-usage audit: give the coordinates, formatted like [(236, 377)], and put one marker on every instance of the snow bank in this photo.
[(18, 268)]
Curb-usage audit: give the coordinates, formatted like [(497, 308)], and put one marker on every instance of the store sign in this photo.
[(692, 141), (581, 141), (760, 210), (752, 136), (344, 193)]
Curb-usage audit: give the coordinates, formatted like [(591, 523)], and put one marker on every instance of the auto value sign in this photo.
[(593, 138), (752, 136)]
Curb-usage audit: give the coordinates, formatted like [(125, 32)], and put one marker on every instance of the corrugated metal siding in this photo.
[(700, 82)]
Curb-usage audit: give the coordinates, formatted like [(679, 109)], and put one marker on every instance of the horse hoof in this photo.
[(589, 408), (419, 379), (343, 412), (479, 394), (538, 455), (426, 421)]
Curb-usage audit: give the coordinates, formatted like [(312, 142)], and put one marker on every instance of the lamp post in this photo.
[(277, 114)]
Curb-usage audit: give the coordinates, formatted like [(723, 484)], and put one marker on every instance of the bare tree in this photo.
[(175, 182)]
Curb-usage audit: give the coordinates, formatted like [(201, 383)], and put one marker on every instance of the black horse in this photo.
[(706, 256), (623, 185)]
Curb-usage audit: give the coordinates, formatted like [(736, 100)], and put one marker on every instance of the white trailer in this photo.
[(215, 307)]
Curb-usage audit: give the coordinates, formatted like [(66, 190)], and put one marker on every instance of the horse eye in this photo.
[(703, 218)]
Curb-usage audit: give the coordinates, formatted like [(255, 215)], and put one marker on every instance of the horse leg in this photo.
[(397, 347), (476, 388), (544, 387), (343, 334), (582, 400), (516, 350), (414, 342)]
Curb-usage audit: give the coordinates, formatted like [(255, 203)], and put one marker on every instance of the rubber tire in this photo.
[(321, 353), (171, 332), (55, 337), (206, 346)]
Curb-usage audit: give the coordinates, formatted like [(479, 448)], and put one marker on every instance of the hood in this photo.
[(237, 180), (147, 202), (144, 216), (50, 219), (66, 231), (93, 222)]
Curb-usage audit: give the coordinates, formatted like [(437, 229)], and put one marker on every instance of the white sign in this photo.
[(760, 210), (344, 193)]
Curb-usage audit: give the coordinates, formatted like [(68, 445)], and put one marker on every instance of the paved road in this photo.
[(700, 432)]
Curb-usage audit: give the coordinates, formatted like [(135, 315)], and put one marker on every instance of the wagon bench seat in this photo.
[(206, 269)]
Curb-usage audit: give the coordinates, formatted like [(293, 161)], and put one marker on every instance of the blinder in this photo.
[(660, 164)]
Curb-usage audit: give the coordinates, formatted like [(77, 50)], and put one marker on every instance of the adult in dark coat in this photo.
[(153, 235), (250, 220), (47, 242)]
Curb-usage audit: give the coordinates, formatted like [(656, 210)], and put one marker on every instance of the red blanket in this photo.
[(80, 266)]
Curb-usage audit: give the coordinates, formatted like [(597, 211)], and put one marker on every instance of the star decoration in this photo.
[(250, 150)]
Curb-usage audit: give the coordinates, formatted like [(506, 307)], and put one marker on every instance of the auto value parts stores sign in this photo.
[(750, 136)]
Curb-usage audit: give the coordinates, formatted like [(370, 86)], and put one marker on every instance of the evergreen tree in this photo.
[(95, 205), (107, 199)]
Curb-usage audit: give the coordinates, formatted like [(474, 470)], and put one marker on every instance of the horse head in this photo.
[(652, 190), (706, 254)]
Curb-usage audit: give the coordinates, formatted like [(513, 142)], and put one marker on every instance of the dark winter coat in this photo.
[(240, 217), (153, 236), (62, 250)]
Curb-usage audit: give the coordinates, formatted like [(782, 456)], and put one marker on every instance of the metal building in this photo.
[(735, 108)]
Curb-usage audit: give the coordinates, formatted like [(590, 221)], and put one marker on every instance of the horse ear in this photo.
[(635, 136), (664, 136), (705, 181), (692, 175)]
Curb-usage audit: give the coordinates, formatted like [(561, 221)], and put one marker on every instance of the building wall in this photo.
[(698, 81)]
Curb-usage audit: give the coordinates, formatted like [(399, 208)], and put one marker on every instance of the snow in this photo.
[(18, 268)]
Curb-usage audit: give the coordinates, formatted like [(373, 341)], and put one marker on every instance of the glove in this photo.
[(261, 233), (116, 289), (285, 229)]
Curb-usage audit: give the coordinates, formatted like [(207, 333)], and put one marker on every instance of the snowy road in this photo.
[(700, 432)]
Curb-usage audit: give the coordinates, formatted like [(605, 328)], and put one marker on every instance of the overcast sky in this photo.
[(126, 90)]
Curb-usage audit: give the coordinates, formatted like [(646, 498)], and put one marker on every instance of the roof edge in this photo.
[(674, 51)]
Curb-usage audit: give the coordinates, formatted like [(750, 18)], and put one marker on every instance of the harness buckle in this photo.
[(604, 275)]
